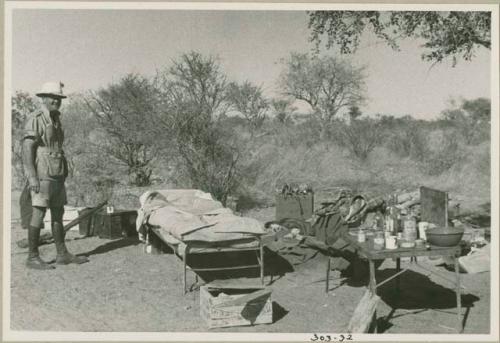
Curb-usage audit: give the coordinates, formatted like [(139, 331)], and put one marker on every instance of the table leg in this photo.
[(328, 265), (184, 259), (398, 269), (459, 297), (373, 290), (261, 250)]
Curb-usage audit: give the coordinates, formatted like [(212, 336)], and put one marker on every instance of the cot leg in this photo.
[(459, 298)]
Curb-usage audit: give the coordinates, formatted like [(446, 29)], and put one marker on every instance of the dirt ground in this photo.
[(124, 289)]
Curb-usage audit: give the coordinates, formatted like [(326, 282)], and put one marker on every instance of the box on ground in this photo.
[(120, 223), (477, 261), (225, 307), (300, 206)]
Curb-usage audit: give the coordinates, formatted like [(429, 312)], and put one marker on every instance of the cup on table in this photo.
[(390, 242)]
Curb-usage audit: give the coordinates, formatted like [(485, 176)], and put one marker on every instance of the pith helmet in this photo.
[(52, 89)]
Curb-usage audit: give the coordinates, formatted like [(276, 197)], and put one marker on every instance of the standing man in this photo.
[(46, 169)]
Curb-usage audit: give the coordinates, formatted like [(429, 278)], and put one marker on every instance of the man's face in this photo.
[(52, 103)]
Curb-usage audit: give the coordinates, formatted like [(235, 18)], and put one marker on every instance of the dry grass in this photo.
[(328, 166)]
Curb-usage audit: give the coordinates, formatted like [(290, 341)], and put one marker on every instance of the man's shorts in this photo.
[(51, 194)]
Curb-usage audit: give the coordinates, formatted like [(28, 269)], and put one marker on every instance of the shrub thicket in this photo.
[(182, 119)]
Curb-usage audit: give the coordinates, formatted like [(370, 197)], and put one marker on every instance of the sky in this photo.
[(89, 49)]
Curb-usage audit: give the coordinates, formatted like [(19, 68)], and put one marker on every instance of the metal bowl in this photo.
[(444, 236)]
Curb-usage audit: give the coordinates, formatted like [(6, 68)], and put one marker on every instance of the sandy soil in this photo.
[(124, 289)]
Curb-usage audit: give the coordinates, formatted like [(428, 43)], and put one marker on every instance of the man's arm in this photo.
[(29, 153)]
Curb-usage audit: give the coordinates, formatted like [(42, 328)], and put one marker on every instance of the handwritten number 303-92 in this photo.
[(328, 338)]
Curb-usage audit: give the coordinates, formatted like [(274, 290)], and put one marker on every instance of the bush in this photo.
[(444, 155), (471, 119), (360, 136), (406, 138)]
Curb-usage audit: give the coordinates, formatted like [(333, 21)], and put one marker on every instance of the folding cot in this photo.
[(190, 222)]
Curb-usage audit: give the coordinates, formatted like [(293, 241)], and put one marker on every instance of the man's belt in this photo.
[(49, 151)]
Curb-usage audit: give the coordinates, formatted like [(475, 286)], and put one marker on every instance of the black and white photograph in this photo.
[(184, 171)]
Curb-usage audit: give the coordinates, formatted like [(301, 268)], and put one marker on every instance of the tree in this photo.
[(327, 84), (125, 111), (471, 119), (283, 110), (444, 34), (193, 101), (354, 112), (22, 106), (360, 135), (249, 101)]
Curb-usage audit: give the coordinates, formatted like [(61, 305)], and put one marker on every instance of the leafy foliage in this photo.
[(22, 106), (444, 34), (360, 136), (327, 84), (405, 136), (471, 119), (125, 112), (249, 101), (443, 156), (283, 110), (194, 102)]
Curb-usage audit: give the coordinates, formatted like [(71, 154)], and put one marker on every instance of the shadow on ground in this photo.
[(428, 296), (112, 245)]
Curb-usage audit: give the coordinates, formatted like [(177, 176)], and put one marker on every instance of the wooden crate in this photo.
[(120, 223), (239, 307), (294, 206)]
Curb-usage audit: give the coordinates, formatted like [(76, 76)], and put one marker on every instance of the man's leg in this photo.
[(34, 261), (63, 256), (25, 206)]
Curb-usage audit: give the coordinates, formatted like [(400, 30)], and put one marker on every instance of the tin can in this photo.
[(410, 229), (390, 242)]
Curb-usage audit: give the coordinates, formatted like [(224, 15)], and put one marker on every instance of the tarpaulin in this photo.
[(192, 215)]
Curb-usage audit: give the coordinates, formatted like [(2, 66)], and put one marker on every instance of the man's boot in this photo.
[(63, 256), (34, 261)]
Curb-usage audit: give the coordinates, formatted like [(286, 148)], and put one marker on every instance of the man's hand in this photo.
[(34, 184)]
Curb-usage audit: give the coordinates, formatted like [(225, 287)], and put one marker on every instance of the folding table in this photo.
[(366, 250)]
